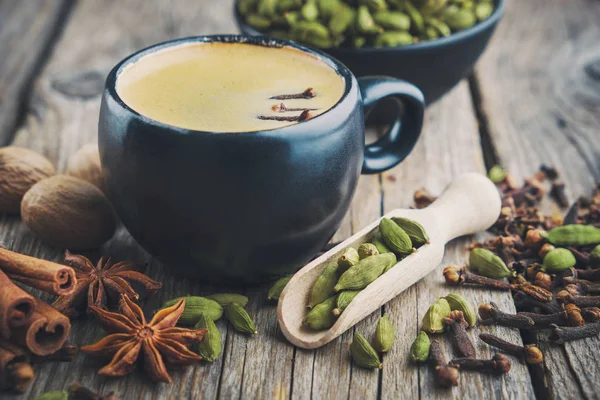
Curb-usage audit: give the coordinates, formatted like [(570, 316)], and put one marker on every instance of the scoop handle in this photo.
[(470, 204)]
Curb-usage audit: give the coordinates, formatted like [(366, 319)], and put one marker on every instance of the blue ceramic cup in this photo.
[(247, 207)]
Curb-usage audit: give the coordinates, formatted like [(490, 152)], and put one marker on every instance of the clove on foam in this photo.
[(307, 94), (305, 115)]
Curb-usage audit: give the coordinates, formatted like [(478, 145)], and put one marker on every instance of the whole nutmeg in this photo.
[(85, 164), (68, 212), (20, 169)]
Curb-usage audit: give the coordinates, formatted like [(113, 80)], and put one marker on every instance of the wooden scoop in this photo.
[(470, 204)]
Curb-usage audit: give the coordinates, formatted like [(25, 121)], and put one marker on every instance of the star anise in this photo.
[(159, 340), (103, 285)]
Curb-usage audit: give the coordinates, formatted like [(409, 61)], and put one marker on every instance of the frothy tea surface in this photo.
[(228, 87)]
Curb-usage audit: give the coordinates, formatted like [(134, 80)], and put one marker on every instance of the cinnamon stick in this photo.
[(15, 372), (47, 331), (16, 306), (41, 274)]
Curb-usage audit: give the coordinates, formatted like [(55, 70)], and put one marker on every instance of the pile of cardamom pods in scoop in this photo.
[(362, 23), (344, 278)]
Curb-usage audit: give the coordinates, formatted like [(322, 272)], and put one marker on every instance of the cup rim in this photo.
[(474, 30), (112, 77)]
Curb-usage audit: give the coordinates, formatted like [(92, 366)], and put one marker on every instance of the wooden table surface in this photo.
[(534, 98)]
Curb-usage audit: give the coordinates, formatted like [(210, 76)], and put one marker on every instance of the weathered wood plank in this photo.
[(27, 30), (540, 92), (448, 147)]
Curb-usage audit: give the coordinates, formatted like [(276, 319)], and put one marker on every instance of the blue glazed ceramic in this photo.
[(246, 207), (434, 66)]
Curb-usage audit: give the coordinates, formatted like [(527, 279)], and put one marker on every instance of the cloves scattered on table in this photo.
[(583, 284), (530, 354), (446, 375), (307, 94), (565, 296), (498, 365), (458, 327)]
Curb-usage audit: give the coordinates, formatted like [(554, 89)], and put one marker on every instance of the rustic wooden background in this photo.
[(534, 98)]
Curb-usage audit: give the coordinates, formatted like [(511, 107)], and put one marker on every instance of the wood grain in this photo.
[(27, 30), (541, 95)]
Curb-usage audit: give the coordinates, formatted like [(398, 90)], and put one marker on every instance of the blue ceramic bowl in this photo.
[(435, 66)]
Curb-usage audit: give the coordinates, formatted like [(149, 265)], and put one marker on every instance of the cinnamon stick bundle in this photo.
[(15, 372), (16, 306), (45, 333), (41, 274)]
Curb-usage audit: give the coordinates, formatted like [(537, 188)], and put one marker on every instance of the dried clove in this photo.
[(455, 275), (67, 353), (498, 365), (591, 314), (490, 314), (564, 334), (305, 115), (530, 354), (446, 375), (307, 94), (281, 107), (525, 302), (79, 392), (558, 193), (585, 285), (565, 296), (423, 198), (458, 327), (543, 280), (587, 274)]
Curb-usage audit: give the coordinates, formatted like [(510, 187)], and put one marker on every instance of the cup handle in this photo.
[(402, 136)]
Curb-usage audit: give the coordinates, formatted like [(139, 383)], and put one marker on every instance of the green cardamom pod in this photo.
[(305, 30), (430, 33), (359, 41), (483, 10), (194, 307), (365, 272), (288, 5), (224, 299), (573, 235), (244, 6), (497, 174), (419, 351), (344, 298), (342, 19), (267, 8), (395, 237), (595, 256), (291, 17), (310, 11), (54, 395), (240, 319), (375, 5), (394, 20), (323, 287), (462, 19), (321, 316), (365, 23), (278, 287), (363, 354), (433, 320), (367, 250), (258, 21), (384, 335), (433, 6), (459, 303), (416, 232), (327, 8), (348, 258), (438, 25), (558, 260), (283, 35), (486, 263), (393, 38), (416, 18), (210, 346), (380, 244)]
